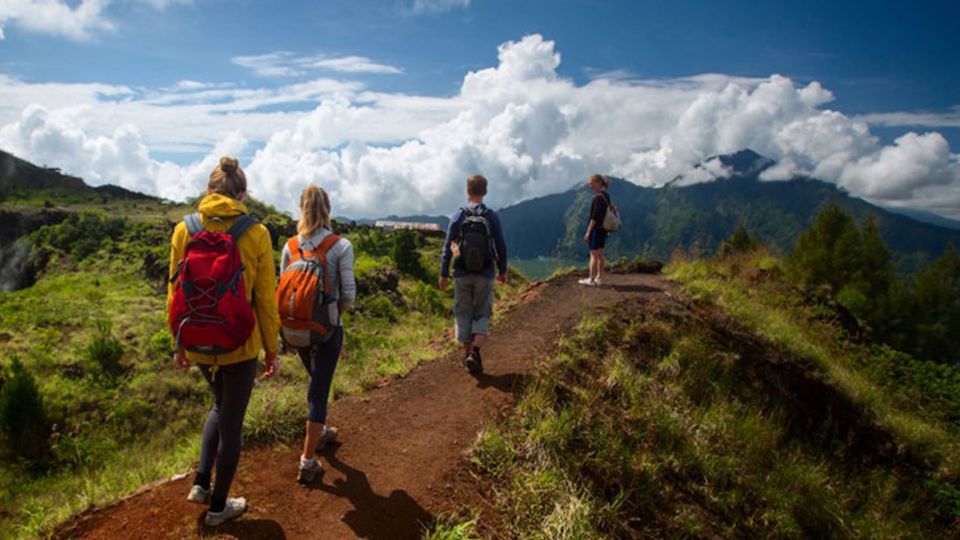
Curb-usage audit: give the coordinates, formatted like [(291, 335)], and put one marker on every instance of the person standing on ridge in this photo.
[(223, 312), (475, 246), (596, 236), (316, 286)]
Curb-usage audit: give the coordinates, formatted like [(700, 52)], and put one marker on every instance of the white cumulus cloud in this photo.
[(530, 130), (76, 21)]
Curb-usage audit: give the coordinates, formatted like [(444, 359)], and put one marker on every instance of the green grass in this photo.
[(458, 526), (643, 425), (928, 427)]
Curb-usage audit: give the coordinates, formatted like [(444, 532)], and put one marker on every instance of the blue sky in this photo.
[(102, 77)]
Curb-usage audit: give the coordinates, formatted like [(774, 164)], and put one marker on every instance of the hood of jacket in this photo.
[(221, 206)]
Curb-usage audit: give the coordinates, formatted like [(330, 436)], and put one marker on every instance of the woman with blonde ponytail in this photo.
[(315, 238)]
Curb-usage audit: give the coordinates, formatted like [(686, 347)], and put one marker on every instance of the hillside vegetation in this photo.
[(700, 216), (764, 404), (91, 407)]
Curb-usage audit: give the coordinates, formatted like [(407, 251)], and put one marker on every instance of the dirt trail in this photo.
[(402, 444)]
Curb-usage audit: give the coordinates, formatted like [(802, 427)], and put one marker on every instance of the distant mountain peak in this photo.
[(742, 164), (745, 162)]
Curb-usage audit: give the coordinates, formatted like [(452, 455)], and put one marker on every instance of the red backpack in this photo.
[(210, 313)]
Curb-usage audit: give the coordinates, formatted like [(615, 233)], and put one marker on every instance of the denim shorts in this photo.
[(598, 239)]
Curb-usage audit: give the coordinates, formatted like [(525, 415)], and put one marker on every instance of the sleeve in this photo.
[(348, 283), (499, 242), (265, 292), (597, 209), (284, 257), (447, 254), (178, 243)]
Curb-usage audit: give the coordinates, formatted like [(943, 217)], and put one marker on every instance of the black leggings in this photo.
[(231, 387), (321, 362)]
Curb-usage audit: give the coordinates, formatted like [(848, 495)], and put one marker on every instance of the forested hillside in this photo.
[(660, 220)]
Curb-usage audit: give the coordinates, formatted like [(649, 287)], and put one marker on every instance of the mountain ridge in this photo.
[(658, 220), (20, 179)]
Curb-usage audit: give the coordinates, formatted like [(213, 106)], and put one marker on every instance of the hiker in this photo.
[(475, 245), (596, 236), (222, 321), (316, 287)]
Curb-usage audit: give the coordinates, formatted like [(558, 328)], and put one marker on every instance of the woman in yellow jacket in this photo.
[(231, 375)]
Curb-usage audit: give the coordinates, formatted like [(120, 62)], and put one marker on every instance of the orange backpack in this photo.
[(305, 294)]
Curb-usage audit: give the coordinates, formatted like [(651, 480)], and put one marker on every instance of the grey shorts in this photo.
[(473, 306)]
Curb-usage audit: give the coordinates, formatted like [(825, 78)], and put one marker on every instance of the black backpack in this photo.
[(476, 240)]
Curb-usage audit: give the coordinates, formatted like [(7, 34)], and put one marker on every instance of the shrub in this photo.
[(427, 298), (80, 235), (378, 306), (372, 242), (22, 417), (105, 350), (404, 253)]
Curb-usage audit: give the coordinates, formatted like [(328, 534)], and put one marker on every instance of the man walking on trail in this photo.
[(475, 245)]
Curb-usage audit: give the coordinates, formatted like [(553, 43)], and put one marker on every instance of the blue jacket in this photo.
[(453, 233)]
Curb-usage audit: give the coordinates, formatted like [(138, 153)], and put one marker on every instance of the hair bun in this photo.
[(229, 164)]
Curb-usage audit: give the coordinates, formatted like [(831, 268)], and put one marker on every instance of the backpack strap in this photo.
[(480, 210), (241, 225), (194, 223), (319, 252), (293, 246)]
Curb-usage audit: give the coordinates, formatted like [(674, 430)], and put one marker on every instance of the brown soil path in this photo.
[(402, 444)]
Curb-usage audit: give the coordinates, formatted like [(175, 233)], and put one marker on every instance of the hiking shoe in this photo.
[(472, 364), (199, 495), (328, 436), (309, 473), (234, 508), (587, 281)]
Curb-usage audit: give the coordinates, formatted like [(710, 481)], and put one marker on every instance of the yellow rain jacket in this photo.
[(259, 274)]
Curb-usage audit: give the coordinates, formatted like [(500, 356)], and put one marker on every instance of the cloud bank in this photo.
[(77, 21), (528, 129)]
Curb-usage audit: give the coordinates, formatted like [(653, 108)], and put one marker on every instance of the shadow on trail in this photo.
[(374, 516), (252, 529), (635, 289), (506, 383)]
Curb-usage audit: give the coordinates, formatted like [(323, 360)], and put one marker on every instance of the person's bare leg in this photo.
[(593, 265), (478, 340), (467, 348), (312, 439), (601, 264)]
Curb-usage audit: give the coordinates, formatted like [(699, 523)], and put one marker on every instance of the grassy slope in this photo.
[(651, 424), (115, 433)]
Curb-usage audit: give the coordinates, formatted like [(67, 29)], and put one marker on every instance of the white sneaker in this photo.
[(308, 473), (234, 508), (597, 282), (199, 495), (586, 281), (328, 436)]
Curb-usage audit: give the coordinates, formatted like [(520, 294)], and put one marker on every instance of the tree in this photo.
[(404, 253), (22, 418), (937, 313), (857, 267), (741, 241), (827, 252)]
